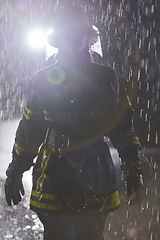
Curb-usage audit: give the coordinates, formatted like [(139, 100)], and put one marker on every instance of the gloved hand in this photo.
[(13, 185), (132, 168), (134, 181), (14, 189)]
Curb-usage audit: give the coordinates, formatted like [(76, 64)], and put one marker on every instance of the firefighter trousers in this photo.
[(59, 226)]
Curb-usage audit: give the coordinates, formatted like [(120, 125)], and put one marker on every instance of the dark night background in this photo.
[(130, 39)]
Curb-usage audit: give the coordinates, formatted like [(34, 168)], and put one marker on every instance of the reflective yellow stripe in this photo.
[(53, 197), (47, 116), (111, 205), (135, 164), (129, 100), (89, 114), (43, 205), (114, 194), (18, 149), (45, 159), (44, 195), (30, 115), (114, 201), (134, 140), (101, 203), (111, 201)]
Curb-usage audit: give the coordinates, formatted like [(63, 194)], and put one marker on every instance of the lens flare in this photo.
[(132, 232), (55, 75)]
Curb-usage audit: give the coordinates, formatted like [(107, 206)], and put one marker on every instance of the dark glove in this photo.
[(132, 167), (13, 185), (14, 189), (134, 181)]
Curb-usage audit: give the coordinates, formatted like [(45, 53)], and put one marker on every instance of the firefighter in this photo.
[(72, 106)]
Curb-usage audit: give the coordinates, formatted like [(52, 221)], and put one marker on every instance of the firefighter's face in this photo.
[(73, 40)]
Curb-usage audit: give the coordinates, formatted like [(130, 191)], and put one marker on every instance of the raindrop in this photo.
[(157, 96), (140, 84), (127, 214), (109, 227), (158, 217), (149, 126), (142, 209), (156, 190), (152, 8), (123, 227), (139, 74), (155, 175), (156, 138), (141, 112), (149, 225), (152, 211)]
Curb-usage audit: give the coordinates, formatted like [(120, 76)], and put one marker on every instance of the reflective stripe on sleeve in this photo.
[(20, 150), (31, 115), (134, 140)]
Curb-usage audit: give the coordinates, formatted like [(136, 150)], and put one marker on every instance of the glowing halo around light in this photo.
[(37, 39)]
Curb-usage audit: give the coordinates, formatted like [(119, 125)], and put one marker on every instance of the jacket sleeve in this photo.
[(122, 134), (31, 131)]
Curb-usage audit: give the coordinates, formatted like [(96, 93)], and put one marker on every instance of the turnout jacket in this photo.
[(66, 117)]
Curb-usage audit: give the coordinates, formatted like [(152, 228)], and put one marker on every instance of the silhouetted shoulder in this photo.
[(106, 76), (41, 79), (102, 68)]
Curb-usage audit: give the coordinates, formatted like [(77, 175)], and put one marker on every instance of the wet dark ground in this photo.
[(18, 222), (140, 222)]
